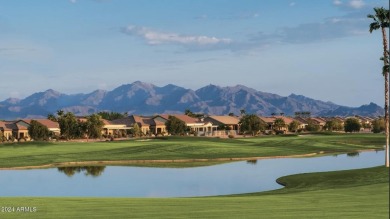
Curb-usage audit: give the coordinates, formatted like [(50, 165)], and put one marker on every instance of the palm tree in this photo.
[(242, 112), (381, 20), (52, 117)]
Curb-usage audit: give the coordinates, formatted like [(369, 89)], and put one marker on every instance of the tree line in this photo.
[(250, 124), (71, 127)]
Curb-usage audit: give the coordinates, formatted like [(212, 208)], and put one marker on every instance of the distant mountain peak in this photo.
[(143, 84), (52, 93), (241, 87), (148, 99)]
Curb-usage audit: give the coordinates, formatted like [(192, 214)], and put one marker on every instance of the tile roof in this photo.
[(5, 126), (267, 119), (106, 122), (143, 121), (186, 119), (318, 120), (20, 127), (227, 120), (158, 120), (46, 122), (301, 120), (164, 116), (128, 121), (287, 120)]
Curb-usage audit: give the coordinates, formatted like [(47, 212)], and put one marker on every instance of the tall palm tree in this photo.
[(381, 21)]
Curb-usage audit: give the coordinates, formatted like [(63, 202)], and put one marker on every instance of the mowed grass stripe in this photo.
[(172, 148)]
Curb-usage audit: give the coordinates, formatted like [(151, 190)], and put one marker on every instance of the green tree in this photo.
[(333, 125), (242, 112), (52, 117), (305, 114), (378, 125), (70, 127), (352, 125), (94, 126), (329, 125), (382, 21), (251, 124), (37, 131), (2, 137), (136, 130), (312, 126), (175, 126), (112, 115), (279, 124), (189, 113), (293, 126)]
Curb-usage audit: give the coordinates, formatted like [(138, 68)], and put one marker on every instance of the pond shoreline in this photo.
[(124, 162)]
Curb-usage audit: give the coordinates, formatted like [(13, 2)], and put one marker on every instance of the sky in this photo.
[(321, 49)]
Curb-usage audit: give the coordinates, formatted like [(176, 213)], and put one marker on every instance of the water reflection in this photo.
[(353, 154), (93, 171), (253, 162), (126, 181)]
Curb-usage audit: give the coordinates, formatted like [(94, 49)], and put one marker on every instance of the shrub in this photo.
[(231, 136)]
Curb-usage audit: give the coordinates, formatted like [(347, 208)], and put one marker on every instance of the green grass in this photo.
[(343, 194), (173, 148)]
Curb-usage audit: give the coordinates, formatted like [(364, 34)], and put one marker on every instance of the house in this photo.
[(287, 120), (365, 121), (318, 121), (269, 121), (147, 124), (158, 126), (303, 122), (20, 130), (197, 125), (54, 127), (6, 129), (130, 121), (230, 122), (114, 129), (144, 123), (339, 119)]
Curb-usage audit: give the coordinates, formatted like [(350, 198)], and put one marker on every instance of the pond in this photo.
[(124, 181)]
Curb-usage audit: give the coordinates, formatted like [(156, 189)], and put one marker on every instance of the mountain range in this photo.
[(147, 99)]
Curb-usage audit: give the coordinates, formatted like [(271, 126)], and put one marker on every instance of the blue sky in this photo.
[(321, 49)]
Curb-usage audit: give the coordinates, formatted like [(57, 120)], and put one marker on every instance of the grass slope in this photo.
[(343, 194), (171, 148)]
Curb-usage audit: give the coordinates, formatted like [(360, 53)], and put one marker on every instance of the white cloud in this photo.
[(337, 2), (153, 37), (356, 4)]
